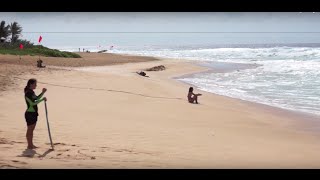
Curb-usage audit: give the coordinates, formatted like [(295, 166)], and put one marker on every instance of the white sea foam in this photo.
[(289, 77)]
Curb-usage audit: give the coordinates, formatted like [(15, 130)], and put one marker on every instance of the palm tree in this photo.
[(4, 31), (16, 30)]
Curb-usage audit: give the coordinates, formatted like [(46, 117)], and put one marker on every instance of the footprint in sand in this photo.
[(4, 141), (61, 153), (124, 151), (58, 144), (91, 157), (63, 150), (103, 147), (7, 147), (7, 166), (20, 162)]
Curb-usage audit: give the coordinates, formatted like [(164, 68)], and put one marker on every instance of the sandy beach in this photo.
[(103, 115)]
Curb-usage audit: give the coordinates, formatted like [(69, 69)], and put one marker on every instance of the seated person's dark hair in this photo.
[(190, 89)]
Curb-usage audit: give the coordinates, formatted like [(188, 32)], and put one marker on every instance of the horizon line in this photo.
[(168, 32)]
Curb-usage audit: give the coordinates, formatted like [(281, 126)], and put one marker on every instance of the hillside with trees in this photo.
[(10, 43)]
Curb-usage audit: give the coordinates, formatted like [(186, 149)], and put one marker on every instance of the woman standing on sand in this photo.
[(31, 114)]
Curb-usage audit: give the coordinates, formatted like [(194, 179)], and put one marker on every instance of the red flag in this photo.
[(40, 38), (21, 46)]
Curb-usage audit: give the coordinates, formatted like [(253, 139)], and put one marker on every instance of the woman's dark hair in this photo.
[(190, 89), (30, 81)]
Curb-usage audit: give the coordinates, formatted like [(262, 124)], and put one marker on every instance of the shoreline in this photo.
[(304, 119), (294, 113), (134, 122), (216, 67)]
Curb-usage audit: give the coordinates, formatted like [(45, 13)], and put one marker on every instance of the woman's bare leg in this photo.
[(29, 136)]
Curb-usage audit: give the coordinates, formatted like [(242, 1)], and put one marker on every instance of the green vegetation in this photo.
[(36, 50), (12, 46)]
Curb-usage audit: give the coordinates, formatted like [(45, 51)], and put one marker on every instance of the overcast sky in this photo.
[(159, 22), (166, 22)]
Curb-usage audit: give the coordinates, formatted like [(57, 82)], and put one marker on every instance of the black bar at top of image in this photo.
[(159, 6)]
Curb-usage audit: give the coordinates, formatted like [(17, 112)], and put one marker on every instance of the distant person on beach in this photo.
[(39, 64), (79, 49), (82, 49), (193, 98), (31, 114)]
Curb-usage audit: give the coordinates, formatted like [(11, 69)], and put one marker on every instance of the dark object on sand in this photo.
[(102, 51), (39, 64), (156, 68), (141, 73)]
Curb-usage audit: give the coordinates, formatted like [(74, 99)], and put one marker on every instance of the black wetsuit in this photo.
[(31, 114)]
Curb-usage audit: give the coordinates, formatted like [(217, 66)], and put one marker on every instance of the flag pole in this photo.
[(39, 43), (39, 53), (21, 47)]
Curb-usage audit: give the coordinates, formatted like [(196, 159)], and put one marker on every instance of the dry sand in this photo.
[(110, 117)]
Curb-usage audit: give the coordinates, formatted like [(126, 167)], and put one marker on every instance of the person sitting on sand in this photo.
[(39, 64), (193, 97), (31, 114)]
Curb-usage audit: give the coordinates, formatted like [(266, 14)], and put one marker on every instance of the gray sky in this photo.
[(174, 21), (166, 22)]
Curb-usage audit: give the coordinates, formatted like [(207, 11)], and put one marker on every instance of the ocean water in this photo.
[(285, 74)]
